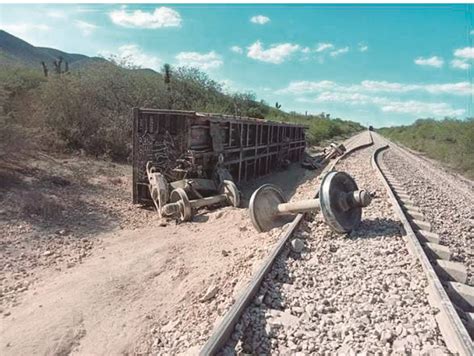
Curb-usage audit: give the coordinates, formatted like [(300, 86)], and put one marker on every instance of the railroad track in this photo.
[(447, 280), (445, 199), (223, 331), (443, 323)]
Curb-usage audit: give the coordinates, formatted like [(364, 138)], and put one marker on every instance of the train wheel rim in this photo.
[(178, 195)]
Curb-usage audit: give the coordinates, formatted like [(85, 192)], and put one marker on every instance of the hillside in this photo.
[(89, 110), (449, 141), (15, 51)]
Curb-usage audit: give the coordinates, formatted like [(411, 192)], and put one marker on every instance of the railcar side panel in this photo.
[(186, 144)]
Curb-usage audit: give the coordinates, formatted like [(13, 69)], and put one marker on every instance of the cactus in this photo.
[(57, 66), (167, 80), (45, 69)]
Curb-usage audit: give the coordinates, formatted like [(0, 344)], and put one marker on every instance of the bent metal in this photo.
[(184, 160)]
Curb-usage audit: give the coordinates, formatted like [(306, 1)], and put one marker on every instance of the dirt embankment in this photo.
[(84, 271)]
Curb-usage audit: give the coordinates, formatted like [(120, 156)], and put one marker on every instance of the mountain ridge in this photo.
[(16, 52)]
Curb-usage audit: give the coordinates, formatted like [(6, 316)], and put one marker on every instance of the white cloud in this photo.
[(460, 88), (160, 17), (466, 53), (306, 50), (365, 93), (276, 54), (86, 28), (434, 61), (460, 64), (133, 54), (413, 107), (372, 86), (324, 46), (260, 19), (21, 29), (199, 60), (56, 14), (342, 97), (472, 32), (420, 108), (339, 51), (237, 49), (307, 87), (362, 47), (384, 86)]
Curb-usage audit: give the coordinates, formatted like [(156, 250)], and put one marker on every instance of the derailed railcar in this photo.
[(199, 151)]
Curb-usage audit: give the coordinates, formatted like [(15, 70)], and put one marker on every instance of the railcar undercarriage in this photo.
[(183, 160)]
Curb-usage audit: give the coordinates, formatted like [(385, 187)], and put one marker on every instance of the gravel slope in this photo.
[(345, 294)]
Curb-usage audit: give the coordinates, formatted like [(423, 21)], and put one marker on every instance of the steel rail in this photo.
[(224, 329), (451, 326)]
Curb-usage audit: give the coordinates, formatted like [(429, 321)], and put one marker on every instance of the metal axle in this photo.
[(182, 207), (340, 202), (358, 198), (174, 208)]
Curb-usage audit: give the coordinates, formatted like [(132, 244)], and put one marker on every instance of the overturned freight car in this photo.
[(199, 152)]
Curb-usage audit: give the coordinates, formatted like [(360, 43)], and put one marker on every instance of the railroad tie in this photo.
[(438, 251), (450, 270), (420, 224), (427, 236), (462, 294), (414, 214)]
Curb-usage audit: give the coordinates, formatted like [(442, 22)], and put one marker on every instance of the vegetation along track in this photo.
[(363, 292)]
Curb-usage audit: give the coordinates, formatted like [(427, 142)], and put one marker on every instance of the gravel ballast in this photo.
[(344, 294), (444, 199)]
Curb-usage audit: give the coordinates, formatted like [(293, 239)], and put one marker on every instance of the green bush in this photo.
[(90, 109), (450, 141)]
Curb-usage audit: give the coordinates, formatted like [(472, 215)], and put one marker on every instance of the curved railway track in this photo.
[(289, 307), (447, 289), (445, 200), (224, 330)]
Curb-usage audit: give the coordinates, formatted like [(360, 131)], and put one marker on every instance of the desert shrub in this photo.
[(320, 128), (449, 140), (15, 83), (89, 109)]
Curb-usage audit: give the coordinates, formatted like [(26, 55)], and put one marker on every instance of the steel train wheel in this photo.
[(334, 187), (179, 196), (231, 191)]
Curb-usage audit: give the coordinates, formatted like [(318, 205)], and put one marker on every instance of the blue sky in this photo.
[(377, 64)]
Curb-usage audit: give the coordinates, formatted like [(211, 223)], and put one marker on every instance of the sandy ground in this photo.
[(83, 271)]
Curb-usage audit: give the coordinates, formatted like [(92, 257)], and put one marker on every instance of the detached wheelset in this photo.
[(340, 202), (183, 208)]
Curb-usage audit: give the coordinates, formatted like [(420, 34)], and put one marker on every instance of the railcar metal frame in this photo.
[(246, 147)]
